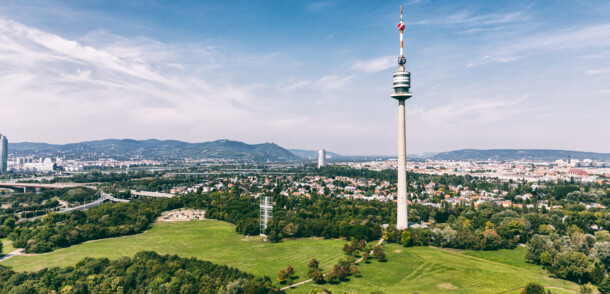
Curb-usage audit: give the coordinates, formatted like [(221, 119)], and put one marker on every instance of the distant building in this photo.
[(3, 154), (321, 158), (578, 172)]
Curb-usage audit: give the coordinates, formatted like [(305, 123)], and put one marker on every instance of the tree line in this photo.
[(146, 272)]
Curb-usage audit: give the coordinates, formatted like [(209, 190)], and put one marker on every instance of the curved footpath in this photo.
[(309, 280), (9, 255)]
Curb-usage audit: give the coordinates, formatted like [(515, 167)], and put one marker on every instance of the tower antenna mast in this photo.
[(401, 27)]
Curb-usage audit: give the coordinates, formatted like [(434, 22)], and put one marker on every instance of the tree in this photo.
[(601, 251), (572, 265), (365, 256), (533, 288), (586, 289), (347, 249), (537, 245), (405, 237), (235, 287), (313, 264), (283, 276), (290, 271), (354, 270), (604, 287), (600, 236), (379, 254), (597, 274), (273, 237), (317, 276), (332, 278), (362, 244), (340, 272), (546, 259), (516, 227)]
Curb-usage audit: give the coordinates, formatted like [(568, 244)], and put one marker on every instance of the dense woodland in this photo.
[(147, 272), (109, 220)]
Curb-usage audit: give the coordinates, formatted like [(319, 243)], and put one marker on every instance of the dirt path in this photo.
[(9, 255), (309, 280), (549, 287)]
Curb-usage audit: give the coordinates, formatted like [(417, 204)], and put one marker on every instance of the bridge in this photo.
[(38, 187), (98, 202), (151, 194)]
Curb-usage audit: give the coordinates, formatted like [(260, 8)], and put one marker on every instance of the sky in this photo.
[(306, 74)]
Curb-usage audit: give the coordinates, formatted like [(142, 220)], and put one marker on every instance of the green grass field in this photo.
[(433, 270), (211, 240), (7, 246), (420, 269)]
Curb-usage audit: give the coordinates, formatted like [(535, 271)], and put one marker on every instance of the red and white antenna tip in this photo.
[(401, 25)]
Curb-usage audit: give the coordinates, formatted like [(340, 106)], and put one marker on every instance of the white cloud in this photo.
[(597, 71), (332, 82), (375, 65), (471, 111), (466, 17)]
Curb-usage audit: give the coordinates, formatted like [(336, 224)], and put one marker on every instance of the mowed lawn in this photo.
[(7, 246), (434, 270), (211, 240), (408, 270)]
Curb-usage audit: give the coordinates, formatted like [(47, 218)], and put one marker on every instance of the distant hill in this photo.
[(312, 154), (520, 154), (156, 149)]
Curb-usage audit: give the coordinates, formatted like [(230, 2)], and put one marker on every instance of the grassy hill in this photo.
[(419, 269), (434, 270), (210, 240)]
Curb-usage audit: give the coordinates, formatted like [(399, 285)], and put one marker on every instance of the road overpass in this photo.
[(38, 187), (151, 194), (98, 202)]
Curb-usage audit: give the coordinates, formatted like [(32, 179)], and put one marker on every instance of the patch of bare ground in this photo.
[(397, 251), (182, 215), (447, 286)]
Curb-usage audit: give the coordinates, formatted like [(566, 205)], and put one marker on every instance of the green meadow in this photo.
[(408, 270)]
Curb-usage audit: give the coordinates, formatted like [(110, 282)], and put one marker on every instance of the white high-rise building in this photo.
[(3, 154), (321, 158)]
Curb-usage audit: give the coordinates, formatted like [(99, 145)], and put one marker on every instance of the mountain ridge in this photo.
[(157, 149), (519, 154)]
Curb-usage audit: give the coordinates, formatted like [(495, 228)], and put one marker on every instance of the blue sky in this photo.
[(486, 74)]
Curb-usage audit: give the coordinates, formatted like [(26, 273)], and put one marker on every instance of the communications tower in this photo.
[(401, 84)]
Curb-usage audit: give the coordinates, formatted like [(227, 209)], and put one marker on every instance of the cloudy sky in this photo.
[(520, 74)]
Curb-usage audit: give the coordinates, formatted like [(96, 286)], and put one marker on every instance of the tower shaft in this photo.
[(402, 219)]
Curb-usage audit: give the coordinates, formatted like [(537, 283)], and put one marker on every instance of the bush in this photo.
[(533, 288)]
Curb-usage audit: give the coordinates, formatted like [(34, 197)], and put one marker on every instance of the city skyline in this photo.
[(305, 75)]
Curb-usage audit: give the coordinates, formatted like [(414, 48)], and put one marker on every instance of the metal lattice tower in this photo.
[(265, 213)]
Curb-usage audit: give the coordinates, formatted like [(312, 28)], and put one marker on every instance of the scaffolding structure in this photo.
[(265, 213)]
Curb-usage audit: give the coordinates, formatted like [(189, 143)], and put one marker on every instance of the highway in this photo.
[(98, 202)]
